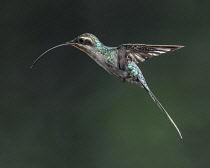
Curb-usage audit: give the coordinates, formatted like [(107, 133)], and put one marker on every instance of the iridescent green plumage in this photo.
[(121, 61)]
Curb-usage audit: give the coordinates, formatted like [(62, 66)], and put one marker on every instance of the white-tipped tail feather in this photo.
[(163, 109)]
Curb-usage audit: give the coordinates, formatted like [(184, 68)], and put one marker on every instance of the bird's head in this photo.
[(86, 42)]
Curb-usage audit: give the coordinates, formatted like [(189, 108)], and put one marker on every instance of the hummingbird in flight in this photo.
[(121, 61)]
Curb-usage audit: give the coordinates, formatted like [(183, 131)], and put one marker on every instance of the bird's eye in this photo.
[(81, 40), (84, 41)]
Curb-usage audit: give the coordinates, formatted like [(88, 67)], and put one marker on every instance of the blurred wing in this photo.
[(141, 52)]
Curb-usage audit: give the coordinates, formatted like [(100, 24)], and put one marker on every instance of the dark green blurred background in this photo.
[(68, 112)]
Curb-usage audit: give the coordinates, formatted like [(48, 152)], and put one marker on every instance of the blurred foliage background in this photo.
[(68, 112)]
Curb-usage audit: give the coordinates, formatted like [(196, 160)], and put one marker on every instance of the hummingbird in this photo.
[(121, 61)]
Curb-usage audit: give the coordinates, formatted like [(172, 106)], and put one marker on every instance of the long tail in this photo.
[(142, 82), (162, 108)]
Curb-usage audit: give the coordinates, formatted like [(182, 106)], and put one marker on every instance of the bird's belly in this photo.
[(115, 71)]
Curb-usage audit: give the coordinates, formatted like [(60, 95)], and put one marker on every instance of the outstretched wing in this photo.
[(141, 52)]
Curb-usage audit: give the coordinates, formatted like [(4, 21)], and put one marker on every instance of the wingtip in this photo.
[(177, 47)]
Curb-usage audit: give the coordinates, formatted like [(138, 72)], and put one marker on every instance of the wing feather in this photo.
[(141, 52)]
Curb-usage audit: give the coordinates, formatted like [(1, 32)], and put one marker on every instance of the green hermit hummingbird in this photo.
[(121, 61)]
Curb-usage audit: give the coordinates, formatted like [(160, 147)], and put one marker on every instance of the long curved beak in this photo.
[(60, 45)]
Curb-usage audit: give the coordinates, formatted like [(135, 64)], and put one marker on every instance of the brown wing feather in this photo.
[(141, 52)]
